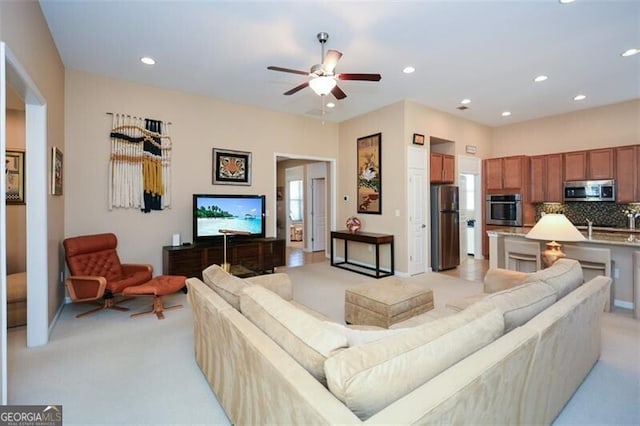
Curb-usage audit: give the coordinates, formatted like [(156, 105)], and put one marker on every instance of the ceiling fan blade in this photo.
[(297, 88), (338, 93), (364, 77), (330, 60), (287, 70)]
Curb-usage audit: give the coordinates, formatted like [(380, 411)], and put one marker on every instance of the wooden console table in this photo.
[(367, 238)]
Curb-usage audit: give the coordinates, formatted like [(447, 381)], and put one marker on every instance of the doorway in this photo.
[(305, 228), (470, 207), (13, 74)]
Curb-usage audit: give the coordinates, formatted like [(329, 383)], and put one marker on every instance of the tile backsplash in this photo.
[(611, 215)]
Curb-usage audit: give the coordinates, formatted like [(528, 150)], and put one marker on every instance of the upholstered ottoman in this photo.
[(157, 287), (385, 302)]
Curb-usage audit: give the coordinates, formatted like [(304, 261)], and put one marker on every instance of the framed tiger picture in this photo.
[(231, 167)]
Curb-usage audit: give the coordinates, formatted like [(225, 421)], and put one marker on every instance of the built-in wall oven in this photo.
[(504, 209)]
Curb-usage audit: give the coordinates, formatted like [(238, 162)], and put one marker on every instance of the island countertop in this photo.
[(613, 236)]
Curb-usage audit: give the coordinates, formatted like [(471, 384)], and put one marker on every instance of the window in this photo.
[(295, 200)]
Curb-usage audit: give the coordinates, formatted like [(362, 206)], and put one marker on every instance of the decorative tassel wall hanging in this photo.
[(140, 164)]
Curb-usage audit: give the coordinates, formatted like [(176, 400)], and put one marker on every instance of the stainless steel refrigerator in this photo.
[(445, 227)]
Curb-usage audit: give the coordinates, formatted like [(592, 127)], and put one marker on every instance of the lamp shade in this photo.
[(555, 227), (322, 85)]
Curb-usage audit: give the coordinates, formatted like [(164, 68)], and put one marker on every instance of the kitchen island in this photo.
[(624, 245)]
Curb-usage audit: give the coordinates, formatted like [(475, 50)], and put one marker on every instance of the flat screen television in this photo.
[(214, 212)]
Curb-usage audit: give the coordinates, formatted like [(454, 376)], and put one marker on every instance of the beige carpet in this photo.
[(111, 369)]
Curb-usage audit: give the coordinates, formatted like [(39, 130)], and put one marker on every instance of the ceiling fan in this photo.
[(322, 77)]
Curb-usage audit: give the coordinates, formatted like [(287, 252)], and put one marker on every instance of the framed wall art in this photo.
[(231, 167), (56, 171), (369, 174), (418, 139), (14, 177)]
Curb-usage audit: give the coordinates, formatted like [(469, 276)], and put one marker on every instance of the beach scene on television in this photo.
[(238, 214)]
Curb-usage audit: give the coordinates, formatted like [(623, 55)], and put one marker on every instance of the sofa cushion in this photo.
[(498, 279), (565, 275), (370, 376), (279, 283), (521, 303), (357, 335), (306, 338), (226, 285)]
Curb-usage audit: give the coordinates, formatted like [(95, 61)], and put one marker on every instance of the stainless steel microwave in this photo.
[(504, 209), (590, 190)]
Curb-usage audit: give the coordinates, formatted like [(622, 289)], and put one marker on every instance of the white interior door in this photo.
[(462, 191), (417, 220), (319, 214)]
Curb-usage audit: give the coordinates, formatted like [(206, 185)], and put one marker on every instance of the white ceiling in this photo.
[(487, 51)]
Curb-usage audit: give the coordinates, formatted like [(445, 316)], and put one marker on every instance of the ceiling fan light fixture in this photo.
[(322, 85)]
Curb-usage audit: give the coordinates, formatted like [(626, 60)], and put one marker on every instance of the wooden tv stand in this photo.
[(260, 255)]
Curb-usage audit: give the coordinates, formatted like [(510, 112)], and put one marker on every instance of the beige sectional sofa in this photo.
[(512, 356)]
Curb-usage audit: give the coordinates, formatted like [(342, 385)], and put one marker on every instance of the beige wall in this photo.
[(199, 124), (16, 213), (611, 125), (25, 31), (397, 123)]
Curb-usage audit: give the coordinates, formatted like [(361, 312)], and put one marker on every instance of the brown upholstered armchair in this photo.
[(96, 272)]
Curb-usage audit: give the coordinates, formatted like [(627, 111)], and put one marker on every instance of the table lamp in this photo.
[(554, 227), (227, 266)]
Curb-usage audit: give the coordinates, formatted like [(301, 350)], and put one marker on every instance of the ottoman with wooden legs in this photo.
[(157, 287), (385, 302)]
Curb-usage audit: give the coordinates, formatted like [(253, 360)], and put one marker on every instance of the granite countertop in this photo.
[(615, 236)]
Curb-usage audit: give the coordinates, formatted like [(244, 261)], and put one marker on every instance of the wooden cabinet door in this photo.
[(575, 165), (601, 164), (436, 167), (448, 168), (554, 188), (627, 174), (513, 168), (538, 178), (493, 173)]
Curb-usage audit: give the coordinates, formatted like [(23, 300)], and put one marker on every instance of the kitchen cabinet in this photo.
[(442, 168), (485, 238), (627, 174), (506, 174), (546, 178), (593, 164)]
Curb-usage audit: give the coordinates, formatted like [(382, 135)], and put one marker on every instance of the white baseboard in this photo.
[(623, 304)]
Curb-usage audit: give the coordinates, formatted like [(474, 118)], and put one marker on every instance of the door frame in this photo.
[(332, 188), (417, 158), (36, 189)]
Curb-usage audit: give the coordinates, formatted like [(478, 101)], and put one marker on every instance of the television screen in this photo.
[(213, 213)]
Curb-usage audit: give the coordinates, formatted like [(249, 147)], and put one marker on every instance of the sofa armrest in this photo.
[(498, 279), (84, 288), (278, 283)]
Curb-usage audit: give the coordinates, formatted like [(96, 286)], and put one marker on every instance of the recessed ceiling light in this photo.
[(409, 70), (330, 105), (540, 78), (630, 52), (566, 1), (506, 113), (465, 101), (579, 97), (147, 60)]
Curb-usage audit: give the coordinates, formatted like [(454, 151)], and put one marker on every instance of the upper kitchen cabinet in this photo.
[(506, 174), (546, 178), (627, 174), (592, 164), (442, 168)]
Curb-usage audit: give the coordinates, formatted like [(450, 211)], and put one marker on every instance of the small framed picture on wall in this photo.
[(14, 177), (56, 171), (418, 139)]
